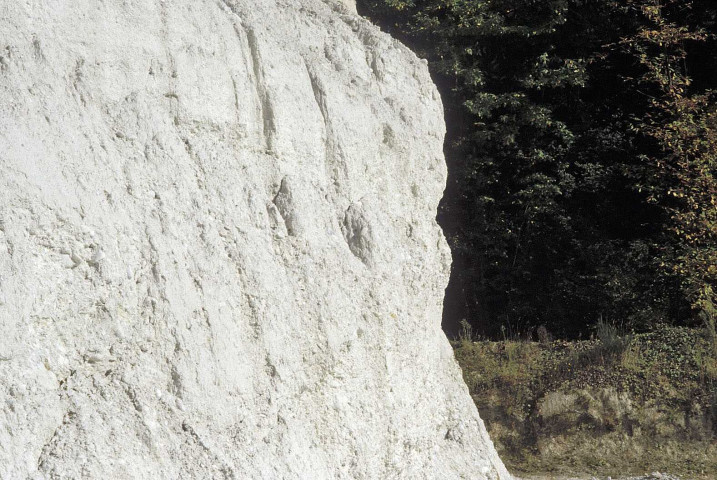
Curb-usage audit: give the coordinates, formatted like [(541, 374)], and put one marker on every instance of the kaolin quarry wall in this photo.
[(218, 252)]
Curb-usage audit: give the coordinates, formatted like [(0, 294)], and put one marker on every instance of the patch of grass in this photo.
[(620, 403)]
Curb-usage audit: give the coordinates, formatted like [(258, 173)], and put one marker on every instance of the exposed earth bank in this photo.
[(617, 405)]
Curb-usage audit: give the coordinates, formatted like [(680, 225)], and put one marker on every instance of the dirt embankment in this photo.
[(618, 405)]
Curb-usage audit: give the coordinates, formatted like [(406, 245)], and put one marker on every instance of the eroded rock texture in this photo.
[(218, 253)]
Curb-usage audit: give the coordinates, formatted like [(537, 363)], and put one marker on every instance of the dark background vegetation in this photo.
[(582, 152)]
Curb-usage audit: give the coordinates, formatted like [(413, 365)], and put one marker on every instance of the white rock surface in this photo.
[(218, 252)]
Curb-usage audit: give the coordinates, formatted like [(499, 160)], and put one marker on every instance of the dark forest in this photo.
[(582, 153)]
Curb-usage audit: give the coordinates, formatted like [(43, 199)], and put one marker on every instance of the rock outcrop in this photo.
[(218, 252)]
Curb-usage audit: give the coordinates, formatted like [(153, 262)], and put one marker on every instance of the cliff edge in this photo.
[(218, 248)]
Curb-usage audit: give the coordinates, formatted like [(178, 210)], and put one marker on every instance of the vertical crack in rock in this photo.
[(266, 112), (333, 156), (236, 98), (283, 201), (171, 93), (319, 95)]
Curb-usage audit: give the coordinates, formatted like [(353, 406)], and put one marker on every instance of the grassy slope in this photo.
[(617, 405)]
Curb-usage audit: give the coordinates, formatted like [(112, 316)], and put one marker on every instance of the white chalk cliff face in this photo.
[(218, 252)]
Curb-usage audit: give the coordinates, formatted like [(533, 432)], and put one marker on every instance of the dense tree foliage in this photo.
[(682, 124), (582, 149)]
